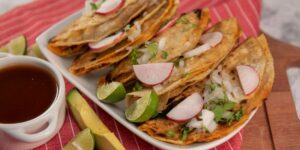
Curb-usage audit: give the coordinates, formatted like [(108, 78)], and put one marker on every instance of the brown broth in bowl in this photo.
[(25, 92)]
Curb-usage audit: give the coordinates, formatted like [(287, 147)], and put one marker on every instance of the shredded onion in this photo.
[(194, 123), (215, 77), (181, 63), (157, 88), (144, 58), (162, 43), (197, 51), (136, 32)]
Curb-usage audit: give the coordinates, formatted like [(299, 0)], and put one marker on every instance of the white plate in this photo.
[(87, 85)]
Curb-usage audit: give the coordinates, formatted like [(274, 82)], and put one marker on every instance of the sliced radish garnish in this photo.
[(110, 6), (197, 51), (212, 38), (168, 25), (249, 78), (107, 42), (153, 74), (187, 109)]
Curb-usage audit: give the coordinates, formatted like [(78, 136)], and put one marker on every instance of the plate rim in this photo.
[(44, 36)]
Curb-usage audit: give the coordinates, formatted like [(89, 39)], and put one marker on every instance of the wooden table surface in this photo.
[(276, 125)]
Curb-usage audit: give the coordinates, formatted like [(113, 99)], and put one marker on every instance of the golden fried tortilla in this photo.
[(93, 28), (253, 52), (157, 15), (178, 39), (199, 67)]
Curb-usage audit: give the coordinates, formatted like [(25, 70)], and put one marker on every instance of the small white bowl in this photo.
[(39, 130)]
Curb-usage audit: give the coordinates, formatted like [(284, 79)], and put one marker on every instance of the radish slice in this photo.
[(187, 109), (167, 26), (249, 78), (212, 38), (197, 51), (153, 74), (110, 6), (107, 42)]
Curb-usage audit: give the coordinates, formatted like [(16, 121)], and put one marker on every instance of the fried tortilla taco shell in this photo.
[(93, 28), (199, 66), (178, 39), (157, 15), (253, 52)]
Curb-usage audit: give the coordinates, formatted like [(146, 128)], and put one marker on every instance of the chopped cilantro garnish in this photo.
[(94, 6), (152, 49), (229, 105), (170, 134), (137, 86), (219, 107), (218, 111), (185, 133), (238, 115), (211, 87), (134, 56), (176, 63), (164, 54), (182, 20)]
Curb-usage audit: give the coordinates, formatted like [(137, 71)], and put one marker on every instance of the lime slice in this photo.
[(84, 140), (17, 46), (3, 49), (111, 93), (35, 51), (143, 109)]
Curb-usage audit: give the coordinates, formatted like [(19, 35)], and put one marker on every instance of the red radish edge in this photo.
[(158, 72), (192, 103), (247, 78), (167, 26), (112, 10), (114, 38)]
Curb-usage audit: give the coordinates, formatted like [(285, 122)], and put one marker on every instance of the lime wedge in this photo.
[(143, 109), (3, 49), (111, 93), (84, 140), (35, 51), (17, 46)]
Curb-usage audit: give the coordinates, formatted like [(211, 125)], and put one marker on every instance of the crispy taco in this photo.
[(183, 36), (143, 29), (95, 27), (197, 63), (230, 93)]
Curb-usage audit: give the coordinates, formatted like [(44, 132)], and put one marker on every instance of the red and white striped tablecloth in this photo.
[(33, 18)]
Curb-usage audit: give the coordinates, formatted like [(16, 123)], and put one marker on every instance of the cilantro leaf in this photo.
[(238, 115), (182, 20), (134, 56), (164, 54), (137, 86), (211, 87), (229, 105), (170, 134), (176, 63), (152, 49), (94, 6), (185, 133)]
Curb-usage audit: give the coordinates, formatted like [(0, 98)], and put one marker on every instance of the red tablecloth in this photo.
[(33, 18)]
